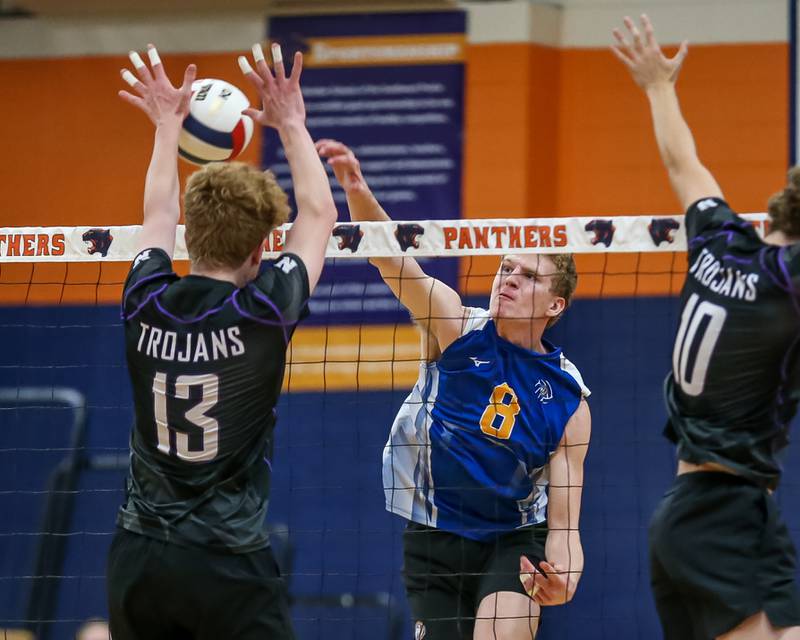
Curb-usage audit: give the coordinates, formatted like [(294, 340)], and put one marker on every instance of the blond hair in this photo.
[(784, 206), (564, 281), (230, 207)]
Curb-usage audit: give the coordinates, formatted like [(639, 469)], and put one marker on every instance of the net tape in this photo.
[(423, 238)]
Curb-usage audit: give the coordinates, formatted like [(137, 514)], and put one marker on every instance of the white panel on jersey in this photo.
[(572, 370)]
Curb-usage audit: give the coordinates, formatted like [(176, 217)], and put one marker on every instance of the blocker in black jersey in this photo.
[(735, 381), (206, 362), (191, 558), (721, 559), (720, 552)]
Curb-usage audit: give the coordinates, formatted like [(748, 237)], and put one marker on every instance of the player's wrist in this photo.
[(290, 126), (169, 126), (659, 88)]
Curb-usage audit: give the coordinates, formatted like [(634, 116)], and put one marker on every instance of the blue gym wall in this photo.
[(327, 484)]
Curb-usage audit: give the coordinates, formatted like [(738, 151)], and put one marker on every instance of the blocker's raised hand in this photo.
[(157, 97), (643, 56), (281, 99)]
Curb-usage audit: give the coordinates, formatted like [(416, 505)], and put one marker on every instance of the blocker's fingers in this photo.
[(623, 43), (297, 68), (188, 78), (254, 78), (136, 101), (128, 77), (258, 57), (637, 37), (649, 31), (621, 56), (138, 64), (244, 65), (277, 61), (155, 62), (683, 51)]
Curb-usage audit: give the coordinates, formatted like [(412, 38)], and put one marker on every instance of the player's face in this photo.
[(521, 289)]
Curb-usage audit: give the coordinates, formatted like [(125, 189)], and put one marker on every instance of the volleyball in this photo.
[(215, 129)]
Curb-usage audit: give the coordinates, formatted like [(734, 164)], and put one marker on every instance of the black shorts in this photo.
[(720, 553), (446, 575), (161, 590)]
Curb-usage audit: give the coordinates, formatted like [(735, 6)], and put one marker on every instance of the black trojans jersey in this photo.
[(735, 379), (206, 363)]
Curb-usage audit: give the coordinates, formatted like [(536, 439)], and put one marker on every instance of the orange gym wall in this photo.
[(567, 133), (547, 132)]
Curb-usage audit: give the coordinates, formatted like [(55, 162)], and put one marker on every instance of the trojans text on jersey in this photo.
[(725, 281), (190, 346)]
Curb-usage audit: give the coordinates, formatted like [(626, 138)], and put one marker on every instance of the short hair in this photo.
[(230, 207), (784, 206), (564, 281)]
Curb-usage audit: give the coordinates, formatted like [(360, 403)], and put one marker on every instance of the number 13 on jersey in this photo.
[(196, 416)]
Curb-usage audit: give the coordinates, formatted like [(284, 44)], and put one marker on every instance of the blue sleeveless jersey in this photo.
[(469, 448)]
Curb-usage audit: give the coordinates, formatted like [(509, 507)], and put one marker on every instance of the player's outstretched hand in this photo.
[(163, 103), (547, 584), (643, 56), (345, 165), (281, 99)]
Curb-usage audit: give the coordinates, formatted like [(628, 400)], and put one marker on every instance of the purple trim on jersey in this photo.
[(136, 285), (269, 464), (258, 294), (785, 271), (737, 260), (230, 299), (785, 371), (772, 276), (729, 235), (739, 223), (202, 316), (269, 323), (146, 300)]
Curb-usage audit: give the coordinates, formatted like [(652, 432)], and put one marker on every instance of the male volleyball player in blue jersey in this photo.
[(722, 561), (496, 413), (206, 355)]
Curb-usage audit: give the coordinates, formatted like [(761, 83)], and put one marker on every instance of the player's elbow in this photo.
[(321, 210), (327, 214)]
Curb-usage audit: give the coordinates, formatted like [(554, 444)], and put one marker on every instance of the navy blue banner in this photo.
[(391, 87)]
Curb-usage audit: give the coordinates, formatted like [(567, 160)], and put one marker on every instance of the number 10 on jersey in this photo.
[(700, 327)]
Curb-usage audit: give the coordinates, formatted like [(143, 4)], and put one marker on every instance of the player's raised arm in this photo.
[(563, 551), (657, 74), (167, 108), (283, 108), (433, 304)]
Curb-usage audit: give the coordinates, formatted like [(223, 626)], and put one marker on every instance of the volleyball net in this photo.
[(66, 413)]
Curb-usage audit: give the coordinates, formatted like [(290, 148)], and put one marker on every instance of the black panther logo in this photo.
[(406, 235), (661, 229), (98, 241), (349, 236), (603, 231)]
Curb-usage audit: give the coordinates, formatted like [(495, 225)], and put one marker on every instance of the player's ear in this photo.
[(255, 256), (557, 306)]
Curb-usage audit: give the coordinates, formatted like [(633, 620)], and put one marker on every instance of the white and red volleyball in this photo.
[(215, 129)]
